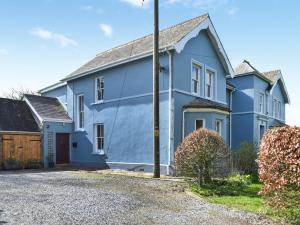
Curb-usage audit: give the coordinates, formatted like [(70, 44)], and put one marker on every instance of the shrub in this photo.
[(279, 165), (244, 160), (12, 164), (33, 164), (202, 154)]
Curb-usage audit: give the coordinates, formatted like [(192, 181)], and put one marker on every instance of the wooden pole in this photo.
[(156, 135)]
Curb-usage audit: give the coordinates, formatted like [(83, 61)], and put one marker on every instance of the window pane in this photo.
[(195, 86), (199, 124)]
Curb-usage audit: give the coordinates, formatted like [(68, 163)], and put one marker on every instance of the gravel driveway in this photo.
[(78, 197)]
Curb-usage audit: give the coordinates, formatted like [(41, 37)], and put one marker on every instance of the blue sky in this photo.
[(42, 41)]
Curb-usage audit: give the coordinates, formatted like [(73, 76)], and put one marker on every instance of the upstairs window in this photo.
[(80, 111), (274, 107), (99, 90), (196, 75), (278, 109), (261, 103), (209, 80)]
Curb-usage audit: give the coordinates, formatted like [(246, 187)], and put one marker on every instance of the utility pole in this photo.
[(156, 68)]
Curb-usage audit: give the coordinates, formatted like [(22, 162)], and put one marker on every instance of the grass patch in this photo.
[(243, 196)]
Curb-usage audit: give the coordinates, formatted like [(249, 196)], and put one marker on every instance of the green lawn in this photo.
[(245, 198)]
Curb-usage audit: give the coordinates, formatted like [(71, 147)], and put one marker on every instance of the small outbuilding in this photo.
[(20, 136)]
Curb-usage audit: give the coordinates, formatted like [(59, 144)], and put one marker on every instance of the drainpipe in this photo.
[(230, 127), (171, 112)]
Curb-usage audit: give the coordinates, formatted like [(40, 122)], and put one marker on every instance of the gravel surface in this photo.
[(78, 197)]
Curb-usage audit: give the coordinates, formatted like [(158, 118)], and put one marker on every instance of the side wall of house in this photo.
[(126, 114), (60, 93), (198, 49)]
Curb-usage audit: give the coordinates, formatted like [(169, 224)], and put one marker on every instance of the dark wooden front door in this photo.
[(62, 149)]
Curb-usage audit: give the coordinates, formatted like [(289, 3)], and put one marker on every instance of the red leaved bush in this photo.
[(279, 162), (201, 150)]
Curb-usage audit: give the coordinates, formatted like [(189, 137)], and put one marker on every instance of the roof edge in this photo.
[(52, 87)]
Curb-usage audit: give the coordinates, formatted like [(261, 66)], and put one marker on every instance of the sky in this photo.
[(42, 41)]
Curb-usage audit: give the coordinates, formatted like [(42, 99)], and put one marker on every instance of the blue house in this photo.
[(109, 99), (258, 103)]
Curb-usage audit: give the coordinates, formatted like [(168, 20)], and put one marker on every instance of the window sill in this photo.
[(79, 130), (100, 152), (98, 102)]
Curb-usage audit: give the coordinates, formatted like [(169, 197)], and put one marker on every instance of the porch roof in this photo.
[(205, 103)]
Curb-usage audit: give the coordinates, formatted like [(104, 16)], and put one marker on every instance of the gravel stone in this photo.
[(80, 197)]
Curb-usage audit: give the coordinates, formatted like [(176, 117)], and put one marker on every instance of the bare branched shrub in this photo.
[(17, 94), (279, 163), (205, 151)]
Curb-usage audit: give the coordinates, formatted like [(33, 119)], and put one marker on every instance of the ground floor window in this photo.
[(218, 127), (200, 123), (99, 139)]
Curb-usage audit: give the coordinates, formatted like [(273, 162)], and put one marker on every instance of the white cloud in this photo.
[(106, 29), (3, 51), (137, 3), (61, 39)]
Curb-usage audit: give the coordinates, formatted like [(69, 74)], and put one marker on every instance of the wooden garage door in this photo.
[(21, 147)]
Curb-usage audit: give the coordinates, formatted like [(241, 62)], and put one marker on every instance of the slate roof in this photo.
[(205, 103), (48, 108), (168, 38), (15, 115), (273, 75), (247, 68)]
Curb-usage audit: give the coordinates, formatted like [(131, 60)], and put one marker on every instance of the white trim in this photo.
[(257, 113), (52, 87), (96, 89), (78, 114), (33, 110), (204, 122), (263, 103), (214, 84), (126, 98), (95, 150), (206, 110), (230, 122), (221, 124), (200, 78), (57, 120), (127, 163), (261, 123), (207, 25), (284, 87), (20, 132)]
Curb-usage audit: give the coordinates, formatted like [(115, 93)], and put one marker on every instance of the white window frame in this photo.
[(274, 107), (262, 104), (203, 121), (213, 85), (78, 112), (200, 77), (278, 109), (264, 124), (96, 139), (220, 122), (99, 89)]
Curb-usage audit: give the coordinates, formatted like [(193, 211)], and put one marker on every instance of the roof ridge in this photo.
[(148, 35)]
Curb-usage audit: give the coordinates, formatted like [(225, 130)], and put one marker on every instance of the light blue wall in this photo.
[(60, 93), (54, 128), (201, 50), (209, 118), (242, 97), (126, 114), (247, 117)]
